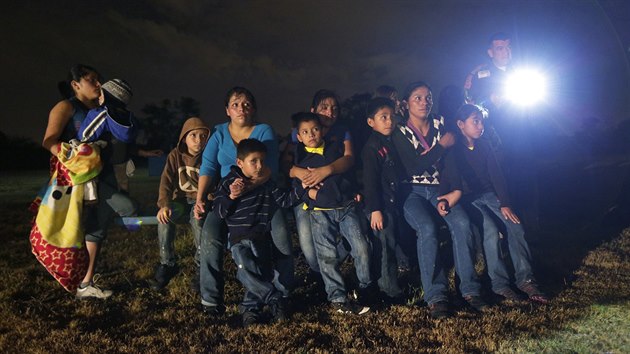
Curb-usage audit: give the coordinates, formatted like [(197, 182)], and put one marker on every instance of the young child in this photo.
[(486, 193), (380, 180), (177, 195), (332, 212), (248, 214)]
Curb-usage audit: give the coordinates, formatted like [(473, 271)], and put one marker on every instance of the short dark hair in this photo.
[(413, 86), (321, 95), (466, 111), (377, 103), (237, 90), (385, 91), (498, 36), (249, 146), (303, 117)]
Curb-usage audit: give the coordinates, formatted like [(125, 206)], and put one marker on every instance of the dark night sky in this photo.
[(285, 50)]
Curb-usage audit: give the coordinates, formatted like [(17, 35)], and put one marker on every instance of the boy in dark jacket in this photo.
[(248, 215), (177, 195), (333, 212), (380, 180)]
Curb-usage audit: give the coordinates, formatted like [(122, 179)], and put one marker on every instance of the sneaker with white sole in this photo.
[(92, 291), (349, 308)]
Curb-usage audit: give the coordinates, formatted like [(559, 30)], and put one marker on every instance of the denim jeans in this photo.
[(111, 202), (182, 211), (255, 272), (326, 225), (213, 245), (420, 210), (384, 254), (305, 238), (487, 214)]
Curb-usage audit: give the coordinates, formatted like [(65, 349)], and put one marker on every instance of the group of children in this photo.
[(336, 207)]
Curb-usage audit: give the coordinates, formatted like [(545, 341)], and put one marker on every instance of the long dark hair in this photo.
[(76, 72)]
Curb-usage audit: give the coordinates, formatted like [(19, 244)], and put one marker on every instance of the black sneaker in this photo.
[(250, 317), (163, 276), (349, 308), (278, 310), (509, 295), (439, 310), (213, 310), (476, 302), (531, 289)]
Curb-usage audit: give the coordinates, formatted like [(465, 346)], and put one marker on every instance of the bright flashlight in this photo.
[(525, 87)]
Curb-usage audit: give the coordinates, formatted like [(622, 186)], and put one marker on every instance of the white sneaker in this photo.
[(92, 291)]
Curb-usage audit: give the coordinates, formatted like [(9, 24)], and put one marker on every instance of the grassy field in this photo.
[(587, 273)]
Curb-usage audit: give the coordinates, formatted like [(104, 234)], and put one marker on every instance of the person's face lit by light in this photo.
[(420, 102), (500, 52)]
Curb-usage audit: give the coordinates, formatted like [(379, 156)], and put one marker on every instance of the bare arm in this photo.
[(202, 195), (57, 120)]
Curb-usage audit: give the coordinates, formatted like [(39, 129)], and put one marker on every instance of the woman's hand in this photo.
[(164, 215), (447, 201), (199, 210), (447, 140), (316, 175)]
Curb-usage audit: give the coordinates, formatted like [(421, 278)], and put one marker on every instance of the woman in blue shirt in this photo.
[(218, 156)]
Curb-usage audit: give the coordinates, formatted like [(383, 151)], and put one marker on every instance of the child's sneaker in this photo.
[(92, 291), (531, 289), (250, 317), (439, 310), (509, 295), (476, 302), (163, 276), (278, 310), (349, 308)]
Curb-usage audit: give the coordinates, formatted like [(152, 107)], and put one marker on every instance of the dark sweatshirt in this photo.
[(249, 216), (479, 170), (381, 173)]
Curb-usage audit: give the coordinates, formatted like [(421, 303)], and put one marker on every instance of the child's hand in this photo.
[(358, 198), (508, 214), (447, 140), (312, 193), (164, 215), (376, 220), (199, 210), (236, 188)]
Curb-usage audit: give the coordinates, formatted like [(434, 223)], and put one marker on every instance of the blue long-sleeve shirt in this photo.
[(220, 152)]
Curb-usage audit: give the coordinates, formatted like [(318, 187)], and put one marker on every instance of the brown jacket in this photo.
[(181, 173)]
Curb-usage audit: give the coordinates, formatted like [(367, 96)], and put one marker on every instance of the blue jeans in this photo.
[(384, 254), (420, 211), (487, 214), (213, 245), (111, 202), (255, 272), (305, 238), (326, 225), (182, 211)]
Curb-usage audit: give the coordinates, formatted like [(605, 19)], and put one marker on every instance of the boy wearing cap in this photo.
[(177, 195)]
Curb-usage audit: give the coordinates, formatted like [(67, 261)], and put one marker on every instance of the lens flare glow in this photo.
[(525, 87)]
